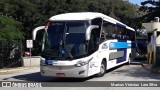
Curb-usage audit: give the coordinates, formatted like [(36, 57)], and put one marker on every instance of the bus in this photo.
[(83, 44)]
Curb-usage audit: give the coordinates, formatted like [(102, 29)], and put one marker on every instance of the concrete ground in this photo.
[(137, 71)]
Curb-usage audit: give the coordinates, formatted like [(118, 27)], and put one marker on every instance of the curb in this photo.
[(14, 70)]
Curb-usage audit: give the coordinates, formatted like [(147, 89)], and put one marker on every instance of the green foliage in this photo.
[(152, 11), (32, 13), (125, 12), (10, 29), (17, 16)]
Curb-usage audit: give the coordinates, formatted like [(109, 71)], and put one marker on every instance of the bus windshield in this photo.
[(65, 39)]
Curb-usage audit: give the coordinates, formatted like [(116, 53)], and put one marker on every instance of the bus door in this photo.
[(93, 46)]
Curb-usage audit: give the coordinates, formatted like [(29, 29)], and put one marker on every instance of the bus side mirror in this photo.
[(34, 33), (89, 30)]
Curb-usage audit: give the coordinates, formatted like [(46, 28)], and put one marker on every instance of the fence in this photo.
[(10, 54)]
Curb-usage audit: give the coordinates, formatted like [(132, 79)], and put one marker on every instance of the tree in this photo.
[(152, 11), (10, 29), (32, 13), (121, 10), (126, 12), (24, 12)]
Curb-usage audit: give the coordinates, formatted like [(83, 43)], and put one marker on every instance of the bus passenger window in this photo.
[(124, 37), (108, 30), (107, 35), (104, 30), (127, 33), (113, 36), (123, 33), (103, 36), (119, 36)]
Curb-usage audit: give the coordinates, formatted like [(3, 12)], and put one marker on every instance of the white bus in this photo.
[(84, 44)]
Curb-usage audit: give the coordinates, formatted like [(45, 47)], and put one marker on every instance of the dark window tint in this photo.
[(109, 31), (76, 27), (131, 35), (113, 31)]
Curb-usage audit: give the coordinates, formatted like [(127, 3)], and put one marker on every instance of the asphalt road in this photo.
[(122, 73)]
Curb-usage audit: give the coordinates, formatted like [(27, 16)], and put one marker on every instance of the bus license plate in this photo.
[(60, 75)]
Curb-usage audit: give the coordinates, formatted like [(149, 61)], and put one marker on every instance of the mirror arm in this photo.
[(34, 33), (89, 29)]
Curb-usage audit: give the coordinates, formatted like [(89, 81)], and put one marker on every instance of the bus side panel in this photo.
[(105, 54), (94, 64), (111, 59), (124, 50)]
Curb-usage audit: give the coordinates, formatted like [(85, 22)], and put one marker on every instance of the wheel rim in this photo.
[(102, 70)]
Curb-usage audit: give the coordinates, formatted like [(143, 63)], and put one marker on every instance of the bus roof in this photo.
[(86, 16)]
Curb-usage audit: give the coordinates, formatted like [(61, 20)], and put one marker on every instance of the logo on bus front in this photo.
[(104, 46)]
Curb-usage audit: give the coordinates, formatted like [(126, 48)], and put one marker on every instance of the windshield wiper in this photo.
[(70, 55)]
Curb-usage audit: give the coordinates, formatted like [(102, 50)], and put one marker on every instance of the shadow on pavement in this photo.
[(138, 72), (131, 71), (36, 77)]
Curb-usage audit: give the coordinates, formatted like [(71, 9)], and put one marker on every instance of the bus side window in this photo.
[(131, 35), (127, 34), (104, 34), (106, 30), (123, 33), (118, 32), (113, 36), (114, 32)]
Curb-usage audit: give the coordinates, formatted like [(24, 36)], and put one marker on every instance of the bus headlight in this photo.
[(82, 63), (42, 62)]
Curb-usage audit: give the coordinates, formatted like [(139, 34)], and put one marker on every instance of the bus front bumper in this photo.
[(64, 71)]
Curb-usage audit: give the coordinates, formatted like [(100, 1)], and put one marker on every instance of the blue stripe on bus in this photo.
[(118, 45), (122, 45), (50, 61), (121, 25)]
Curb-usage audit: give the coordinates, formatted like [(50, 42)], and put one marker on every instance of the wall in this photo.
[(35, 61)]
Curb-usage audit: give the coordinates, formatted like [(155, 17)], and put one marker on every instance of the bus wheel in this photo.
[(102, 69)]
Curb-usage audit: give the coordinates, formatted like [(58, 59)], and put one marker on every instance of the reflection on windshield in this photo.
[(55, 33), (66, 39)]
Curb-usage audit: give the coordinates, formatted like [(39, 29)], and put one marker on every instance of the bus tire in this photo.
[(102, 69)]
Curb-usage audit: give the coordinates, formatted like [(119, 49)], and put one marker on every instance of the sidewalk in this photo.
[(10, 70)]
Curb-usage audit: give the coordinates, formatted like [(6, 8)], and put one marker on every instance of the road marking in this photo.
[(14, 69)]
